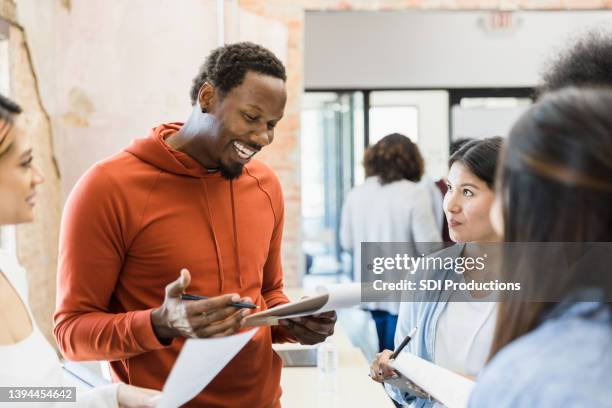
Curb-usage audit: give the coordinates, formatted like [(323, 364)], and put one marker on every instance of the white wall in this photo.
[(431, 49), (110, 71)]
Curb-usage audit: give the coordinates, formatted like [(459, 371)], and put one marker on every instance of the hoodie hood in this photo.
[(154, 151)]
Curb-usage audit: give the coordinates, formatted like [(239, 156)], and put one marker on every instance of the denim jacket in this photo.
[(424, 313), (564, 362)]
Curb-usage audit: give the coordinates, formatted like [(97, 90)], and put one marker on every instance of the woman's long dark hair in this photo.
[(555, 183), (480, 156)]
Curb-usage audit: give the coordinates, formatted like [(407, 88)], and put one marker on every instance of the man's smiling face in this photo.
[(245, 119)]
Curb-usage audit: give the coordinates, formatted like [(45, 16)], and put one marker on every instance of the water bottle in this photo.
[(327, 364)]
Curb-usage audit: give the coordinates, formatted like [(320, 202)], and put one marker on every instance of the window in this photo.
[(481, 117), (393, 112)]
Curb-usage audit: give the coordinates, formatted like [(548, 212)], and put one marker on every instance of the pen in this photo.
[(398, 350), (242, 305), (404, 343)]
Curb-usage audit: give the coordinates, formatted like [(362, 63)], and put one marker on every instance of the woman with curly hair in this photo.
[(390, 206)]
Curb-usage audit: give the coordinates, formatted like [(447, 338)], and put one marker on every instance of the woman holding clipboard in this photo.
[(453, 333)]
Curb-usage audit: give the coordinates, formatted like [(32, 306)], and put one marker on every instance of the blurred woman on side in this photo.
[(454, 332), (555, 185), (28, 360)]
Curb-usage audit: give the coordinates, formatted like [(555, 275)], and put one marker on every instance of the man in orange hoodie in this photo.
[(188, 196)]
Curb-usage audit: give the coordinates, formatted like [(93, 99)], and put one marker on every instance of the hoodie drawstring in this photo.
[(236, 240), (217, 248)]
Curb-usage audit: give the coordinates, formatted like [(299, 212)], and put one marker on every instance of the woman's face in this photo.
[(467, 205), (18, 180)]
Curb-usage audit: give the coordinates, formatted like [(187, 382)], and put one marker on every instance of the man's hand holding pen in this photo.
[(211, 317)]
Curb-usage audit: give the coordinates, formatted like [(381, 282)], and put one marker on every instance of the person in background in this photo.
[(453, 333), (554, 185), (190, 195), (390, 206), (28, 360), (441, 185)]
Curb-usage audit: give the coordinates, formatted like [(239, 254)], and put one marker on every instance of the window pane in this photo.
[(486, 117), (394, 119)]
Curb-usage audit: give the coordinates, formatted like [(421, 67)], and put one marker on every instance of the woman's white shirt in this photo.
[(464, 334), (33, 362)]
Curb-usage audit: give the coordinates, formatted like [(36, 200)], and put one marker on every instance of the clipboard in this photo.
[(404, 384), (449, 388)]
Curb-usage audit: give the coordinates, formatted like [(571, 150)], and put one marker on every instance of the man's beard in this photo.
[(231, 172)]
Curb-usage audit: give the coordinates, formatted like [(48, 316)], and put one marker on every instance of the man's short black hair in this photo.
[(226, 67), (587, 63), (8, 108)]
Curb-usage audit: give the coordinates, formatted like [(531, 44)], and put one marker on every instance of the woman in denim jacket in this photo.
[(452, 332)]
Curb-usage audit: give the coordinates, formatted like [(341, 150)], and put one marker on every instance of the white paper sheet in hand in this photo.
[(449, 388), (341, 296), (198, 364)]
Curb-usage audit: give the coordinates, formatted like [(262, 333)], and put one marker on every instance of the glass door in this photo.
[(331, 144), (420, 115)]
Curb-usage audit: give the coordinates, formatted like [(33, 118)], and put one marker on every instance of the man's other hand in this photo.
[(311, 329)]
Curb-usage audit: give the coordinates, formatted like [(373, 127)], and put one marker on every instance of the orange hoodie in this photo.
[(129, 226)]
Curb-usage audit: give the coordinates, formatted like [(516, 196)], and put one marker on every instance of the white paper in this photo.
[(341, 296), (449, 388), (198, 364)]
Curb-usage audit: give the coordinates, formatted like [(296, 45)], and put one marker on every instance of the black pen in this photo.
[(404, 343), (241, 305), (398, 350)]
